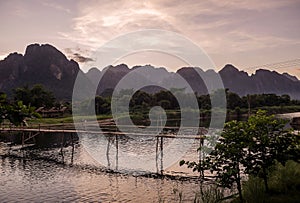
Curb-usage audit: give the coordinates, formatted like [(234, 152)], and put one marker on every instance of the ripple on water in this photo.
[(37, 180), (43, 180)]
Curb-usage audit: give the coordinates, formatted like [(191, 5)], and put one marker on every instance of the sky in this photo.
[(247, 34)]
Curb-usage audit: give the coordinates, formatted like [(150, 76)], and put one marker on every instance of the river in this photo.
[(39, 175), (100, 174)]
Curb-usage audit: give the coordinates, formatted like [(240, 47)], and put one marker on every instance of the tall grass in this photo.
[(285, 178), (254, 190), (284, 184), (209, 194)]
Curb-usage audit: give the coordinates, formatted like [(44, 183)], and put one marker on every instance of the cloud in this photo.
[(222, 28), (56, 6), (3, 56), (199, 20), (81, 59), (75, 55), (98, 23)]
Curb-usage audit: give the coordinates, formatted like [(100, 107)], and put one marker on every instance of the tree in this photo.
[(228, 156), (18, 112), (252, 147), (163, 96), (268, 142), (15, 113), (23, 94), (3, 104), (140, 98), (233, 100), (204, 102), (41, 97), (37, 96), (102, 105)]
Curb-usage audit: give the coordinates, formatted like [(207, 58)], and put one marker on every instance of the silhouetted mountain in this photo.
[(152, 73), (235, 80), (139, 75), (111, 75), (294, 78), (42, 64), (267, 81), (94, 75), (194, 79), (263, 81)]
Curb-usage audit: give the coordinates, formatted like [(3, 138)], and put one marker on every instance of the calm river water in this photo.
[(38, 175), (111, 174)]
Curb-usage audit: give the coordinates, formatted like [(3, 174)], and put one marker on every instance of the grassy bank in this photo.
[(142, 116), (67, 120)]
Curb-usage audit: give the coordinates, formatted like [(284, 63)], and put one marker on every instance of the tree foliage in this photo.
[(142, 100), (268, 142), (16, 113), (228, 156), (251, 147), (36, 96)]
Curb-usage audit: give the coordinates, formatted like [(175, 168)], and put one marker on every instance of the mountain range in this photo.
[(46, 65)]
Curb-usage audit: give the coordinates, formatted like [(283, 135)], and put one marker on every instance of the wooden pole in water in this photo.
[(200, 157), (107, 153), (23, 137), (156, 153), (161, 155), (34, 140), (62, 146), (117, 152), (23, 142), (72, 141)]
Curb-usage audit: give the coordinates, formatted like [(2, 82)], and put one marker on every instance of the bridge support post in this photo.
[(62, 146), (72, 155), (161, 155), (156, 154), (117, 151)]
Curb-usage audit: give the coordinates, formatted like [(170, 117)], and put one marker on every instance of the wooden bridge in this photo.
[(30, 133), (36, 131)]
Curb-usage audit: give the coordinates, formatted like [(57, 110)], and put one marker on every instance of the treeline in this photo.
[(143, 101), (36, 96), (24, 102)]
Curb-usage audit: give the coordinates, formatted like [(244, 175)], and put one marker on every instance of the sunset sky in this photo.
[(246, 34)]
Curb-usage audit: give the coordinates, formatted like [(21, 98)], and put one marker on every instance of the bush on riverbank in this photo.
[(284, 185), (254, 148)]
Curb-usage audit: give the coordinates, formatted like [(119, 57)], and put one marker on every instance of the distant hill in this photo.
[(46, 65), (263, 81), (42, 64)]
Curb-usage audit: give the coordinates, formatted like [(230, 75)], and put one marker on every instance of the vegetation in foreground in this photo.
[(284, 185), (261, 149)]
